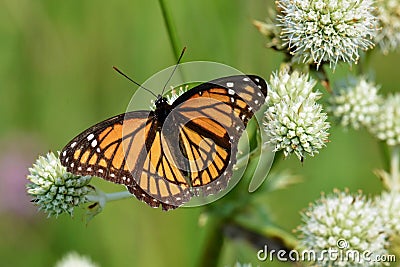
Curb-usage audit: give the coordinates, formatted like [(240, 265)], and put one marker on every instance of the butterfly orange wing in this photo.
[(165, 162)]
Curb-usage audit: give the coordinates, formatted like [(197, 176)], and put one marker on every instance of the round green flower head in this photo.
[(386, 124), (388, 36), (325, 30), (346, 224), (54, 190), (357, 104), (294, 121)]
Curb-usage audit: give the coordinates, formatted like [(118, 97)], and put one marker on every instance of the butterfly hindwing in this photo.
[(213, 114)]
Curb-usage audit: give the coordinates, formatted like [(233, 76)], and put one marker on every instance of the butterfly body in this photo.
[(181, 149), (163, 108)]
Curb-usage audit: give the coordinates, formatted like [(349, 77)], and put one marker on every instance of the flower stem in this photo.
[(172, 34), (394, 167), (213, 244), (101, 197), (118, 195)]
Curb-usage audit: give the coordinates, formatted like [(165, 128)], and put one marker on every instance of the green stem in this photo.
[(272, 232), (385, 155), (242, 161), (172, 33), (102, 197), (394, 167), (118, 195), (213, 246)]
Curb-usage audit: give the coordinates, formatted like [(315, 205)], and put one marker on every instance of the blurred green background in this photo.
[(56, 80)]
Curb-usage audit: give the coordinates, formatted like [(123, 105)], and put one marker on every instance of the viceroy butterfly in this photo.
[(166, 156)]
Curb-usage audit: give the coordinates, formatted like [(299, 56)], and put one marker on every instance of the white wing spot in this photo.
[(243, 117), (155, 200), (178, 198), (259, 94), (79, 168), (231, 92), (112, 175), (201, 93), (67, 159), (208, 187), (98, 150), (218, 182), (230, 84), (143, 195), (124, 178), (257, 80), (225, 173), (89, 169), (90, 137), (246, 79), (249, 108), (259, 86), (237, 128), (256, 101), (94, 143), (72, 165), (128, 180), (64, 153), (232, 100), (73, 144), (100, 170)]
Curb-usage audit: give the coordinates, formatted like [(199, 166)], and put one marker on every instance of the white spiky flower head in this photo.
[(73, 259), (172, 95), (325, 30), (294, 121), (356, 104), (386, 124), (388, 14), (388, 204), (343, 222), (54, 190)]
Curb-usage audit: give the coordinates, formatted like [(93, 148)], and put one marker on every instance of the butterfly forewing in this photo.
[(165, 161)]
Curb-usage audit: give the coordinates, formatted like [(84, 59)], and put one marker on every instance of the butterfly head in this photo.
[(163, 108)]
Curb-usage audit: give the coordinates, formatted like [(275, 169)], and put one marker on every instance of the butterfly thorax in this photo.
[(162, 108)]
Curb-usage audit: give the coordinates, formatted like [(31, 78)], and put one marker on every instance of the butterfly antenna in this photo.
[(172, 73), (138, 84)]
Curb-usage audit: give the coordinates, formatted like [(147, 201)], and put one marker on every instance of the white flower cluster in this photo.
[(357, 104), (73, 259), (325, 30), (343, 222), (171, 96), (388, 14), (389, 206), (386, 125), (54, 190), (294, 121)]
